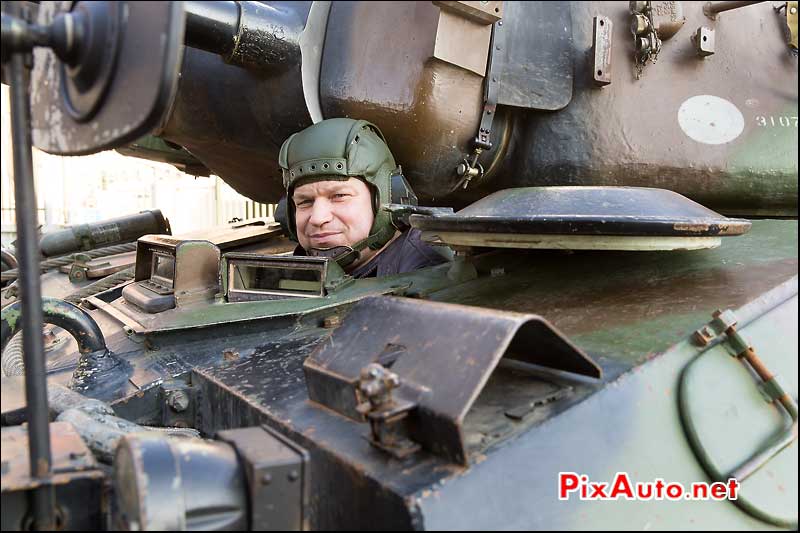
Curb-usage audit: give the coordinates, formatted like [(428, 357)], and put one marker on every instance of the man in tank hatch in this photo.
[(339, 174)]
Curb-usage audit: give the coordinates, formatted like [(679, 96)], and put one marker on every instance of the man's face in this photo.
[(333, 213)]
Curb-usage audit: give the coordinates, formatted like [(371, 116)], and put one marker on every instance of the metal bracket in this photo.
[(704, 41), (469, 169), (645, 35), (391, 361), (387, 418), (79, 269), (277, 473), (725, 322), (602, 39)]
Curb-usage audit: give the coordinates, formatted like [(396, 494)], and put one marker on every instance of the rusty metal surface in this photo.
[(76, 479), (269, 389), (69, 454), (440, 378), (234, 119)]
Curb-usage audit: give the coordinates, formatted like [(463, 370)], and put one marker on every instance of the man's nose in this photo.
[(321, 213)]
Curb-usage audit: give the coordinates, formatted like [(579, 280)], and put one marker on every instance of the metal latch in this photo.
[(724, 323), (390, 364), (469, 169), (387, 416)]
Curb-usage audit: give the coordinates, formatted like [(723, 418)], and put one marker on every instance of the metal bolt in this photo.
[(793, 10), (333, 321), (500, 23), (178, 400), (266, 479), (294, 475)]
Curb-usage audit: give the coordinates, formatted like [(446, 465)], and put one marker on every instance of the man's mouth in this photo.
[(325, 238)]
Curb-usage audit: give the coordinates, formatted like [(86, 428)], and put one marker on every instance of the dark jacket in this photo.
[(404, 254)]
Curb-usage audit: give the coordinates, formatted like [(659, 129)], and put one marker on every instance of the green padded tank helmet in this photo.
[(340, 149)]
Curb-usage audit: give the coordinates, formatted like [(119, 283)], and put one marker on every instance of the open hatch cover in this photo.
[(582, 218)]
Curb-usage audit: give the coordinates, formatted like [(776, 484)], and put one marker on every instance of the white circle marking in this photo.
[(710, 119)]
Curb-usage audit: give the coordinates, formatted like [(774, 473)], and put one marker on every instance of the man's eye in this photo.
[(303, 203), (341, 195)]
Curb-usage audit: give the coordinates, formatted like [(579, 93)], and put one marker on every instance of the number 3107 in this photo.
[(783, 120)]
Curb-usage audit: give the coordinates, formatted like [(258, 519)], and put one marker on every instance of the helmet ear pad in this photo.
[(281, 215)]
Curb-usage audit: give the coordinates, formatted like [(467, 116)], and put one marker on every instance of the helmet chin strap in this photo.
[(347, 255), (343, 255)]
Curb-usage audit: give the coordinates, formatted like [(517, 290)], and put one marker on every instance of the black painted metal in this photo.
[(276, 470), (207, 122), (103, 233), (179, 484), (440, 378), (631, 211), (537, 56), (211, 26), (246, 33), (86, 79), (28, 255), (59, 313)]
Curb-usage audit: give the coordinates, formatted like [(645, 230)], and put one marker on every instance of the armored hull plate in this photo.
[(582, 218)]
